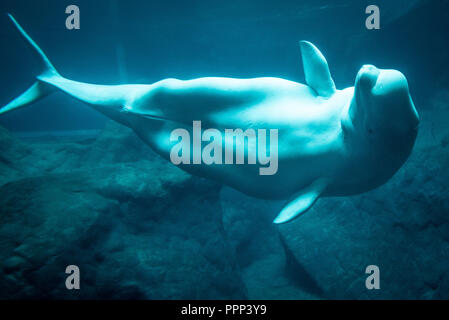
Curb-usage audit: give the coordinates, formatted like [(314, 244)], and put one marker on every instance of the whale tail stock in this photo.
[(41, 87)]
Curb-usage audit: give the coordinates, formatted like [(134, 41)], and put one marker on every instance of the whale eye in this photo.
[(370, 131)]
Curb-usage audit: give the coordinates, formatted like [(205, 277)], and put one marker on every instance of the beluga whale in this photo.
[(321, 141)]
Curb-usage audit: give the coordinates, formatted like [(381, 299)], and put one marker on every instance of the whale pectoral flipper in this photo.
[(316, 70), (302, 201)]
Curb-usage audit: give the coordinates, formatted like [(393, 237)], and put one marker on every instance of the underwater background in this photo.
[(78, 189)]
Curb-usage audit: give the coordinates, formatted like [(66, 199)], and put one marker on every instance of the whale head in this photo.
[(384, 121)]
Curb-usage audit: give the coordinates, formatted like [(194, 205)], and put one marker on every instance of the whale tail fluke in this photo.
[(40, 88)]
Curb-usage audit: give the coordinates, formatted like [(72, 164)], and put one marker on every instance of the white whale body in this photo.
[(330, 142)]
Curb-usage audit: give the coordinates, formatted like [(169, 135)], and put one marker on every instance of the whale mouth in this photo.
[(390, 82)]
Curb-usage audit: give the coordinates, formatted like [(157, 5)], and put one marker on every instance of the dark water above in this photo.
[(146, 41)]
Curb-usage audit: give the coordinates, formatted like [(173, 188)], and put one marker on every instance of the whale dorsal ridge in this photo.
[(316, 70), (301, 201)]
